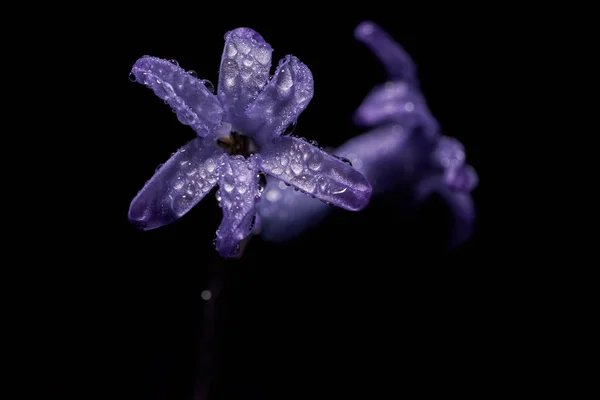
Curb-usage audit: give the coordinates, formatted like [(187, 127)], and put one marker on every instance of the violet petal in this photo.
[(193, 103), (177, 186), (388, 156), (394, 58), (286, 213), (238, 190), (284, 98), (245, 67), (316, 173), (396, 102)]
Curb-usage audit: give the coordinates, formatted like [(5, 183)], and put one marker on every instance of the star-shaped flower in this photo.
[(239, 136), (404, 151)]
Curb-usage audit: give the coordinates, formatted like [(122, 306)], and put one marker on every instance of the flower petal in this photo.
[(245, 68), (238, 190), (285, 213), (464, 179), (316, 173), (394, 58), (396, 102), (285, 97), (449, 153), (177, 186), (193, 103), (389, 156)]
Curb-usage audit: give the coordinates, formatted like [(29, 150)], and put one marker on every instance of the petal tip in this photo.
[(245, 33), (365, 29)]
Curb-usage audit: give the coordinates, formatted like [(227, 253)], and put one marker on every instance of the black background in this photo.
[(368, 304)]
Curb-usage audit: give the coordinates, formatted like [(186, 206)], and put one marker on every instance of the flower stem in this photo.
[(209, 345)]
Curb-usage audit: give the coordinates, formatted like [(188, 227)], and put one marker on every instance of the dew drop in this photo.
[(287, 184), (193, 73), (174, 62), (290, 129), (296, 189), (345, 160), (314, 143), (209, 85), (218, 195), (262, 183), (132, 77), (159, 166), (214, 241)]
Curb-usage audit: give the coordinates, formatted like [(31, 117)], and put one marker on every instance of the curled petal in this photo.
[(285, 97), (450, 153), (388, 156), (238, 191), (394, 58), (177, 186), (396, 102), (316, 173), (464, 179), (245, 67), (193, 103), (285, 213)]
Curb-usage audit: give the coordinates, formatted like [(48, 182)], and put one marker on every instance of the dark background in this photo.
[(369, 304)]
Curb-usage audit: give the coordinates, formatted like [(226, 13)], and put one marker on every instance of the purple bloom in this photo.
[(403, 151), (240, 135)]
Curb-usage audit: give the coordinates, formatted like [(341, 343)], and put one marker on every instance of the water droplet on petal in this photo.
[(159, 166), (262, 183), (345, 160), (314, 143), (132, 77), (290, 129), (193, 73), (174, 62), (209, 85), (218, 195)]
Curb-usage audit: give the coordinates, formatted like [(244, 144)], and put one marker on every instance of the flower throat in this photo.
[(236, 144)]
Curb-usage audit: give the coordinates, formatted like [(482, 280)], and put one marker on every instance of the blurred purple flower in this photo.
[(404, 149), (240, 135)]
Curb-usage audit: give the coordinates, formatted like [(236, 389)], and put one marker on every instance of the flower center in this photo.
[(236, 144)]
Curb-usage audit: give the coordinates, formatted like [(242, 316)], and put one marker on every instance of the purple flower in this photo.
[(404, 151), (240, 136)]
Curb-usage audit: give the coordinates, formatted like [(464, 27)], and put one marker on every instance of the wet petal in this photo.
[(193, 103), (388, 156), (238, 189), (396, 102), (394, 58), (245, 68), (177, 186), (285, 213), (285, 97), (316, 173)]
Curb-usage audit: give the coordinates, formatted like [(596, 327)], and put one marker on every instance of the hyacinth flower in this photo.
[(403, 151), (241, 134)]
